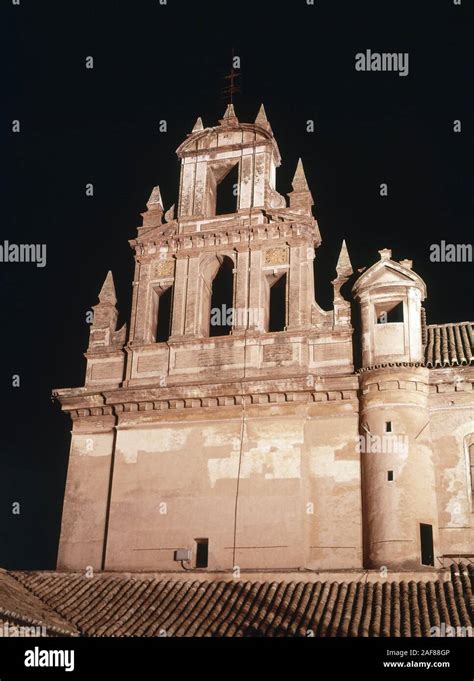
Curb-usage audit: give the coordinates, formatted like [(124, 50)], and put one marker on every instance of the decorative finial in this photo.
[(342, 308), (155, 200), (169, 215), (344, 265), (262, 116), (107, 292), (408, 264), (299, 182), (198, 126), (385, 254), (229, 117)]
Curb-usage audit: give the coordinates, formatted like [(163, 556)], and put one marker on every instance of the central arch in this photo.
[(216, 293)]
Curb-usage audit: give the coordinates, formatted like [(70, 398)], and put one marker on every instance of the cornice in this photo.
[(81, 403), (265, 398), (388, 365), (228, 236)]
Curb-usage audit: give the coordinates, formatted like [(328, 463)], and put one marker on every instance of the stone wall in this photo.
[(269, 486)]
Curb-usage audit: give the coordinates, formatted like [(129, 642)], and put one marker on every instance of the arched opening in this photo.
[(222, 300), (163, 313), (227, 192), (277, 305)]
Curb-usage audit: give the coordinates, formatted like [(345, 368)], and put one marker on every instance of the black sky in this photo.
[(155, 62)]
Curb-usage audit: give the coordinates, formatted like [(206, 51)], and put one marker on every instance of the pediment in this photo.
[(388, 273)]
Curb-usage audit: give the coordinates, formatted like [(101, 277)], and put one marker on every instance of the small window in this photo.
[(390, 476), (426, 537), (202, 553), (391, 313), (388, 426)]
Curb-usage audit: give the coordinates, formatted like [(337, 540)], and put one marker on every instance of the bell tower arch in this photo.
[(269, 240), (208, 155)]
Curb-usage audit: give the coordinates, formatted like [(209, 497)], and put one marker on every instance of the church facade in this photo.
[(228, 428)]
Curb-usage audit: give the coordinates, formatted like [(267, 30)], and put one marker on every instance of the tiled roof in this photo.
[(137, 605), (21, 608), (449, 344)]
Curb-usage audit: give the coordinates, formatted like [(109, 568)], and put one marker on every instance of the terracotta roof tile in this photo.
[(449, 344), (21, 607), (135, 605)]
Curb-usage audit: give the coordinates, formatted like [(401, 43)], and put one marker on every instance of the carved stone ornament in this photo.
[(276, 256), (162, 268)]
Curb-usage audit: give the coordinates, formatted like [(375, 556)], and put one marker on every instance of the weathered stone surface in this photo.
[(251, 439)]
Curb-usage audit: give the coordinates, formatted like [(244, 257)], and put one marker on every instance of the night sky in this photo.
[(157, 62)]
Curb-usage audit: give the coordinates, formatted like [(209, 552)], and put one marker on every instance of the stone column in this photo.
[(193, 297), (186, 199), (142, 304), (256, 297), (180, 296), (294, 289), (241, 297)]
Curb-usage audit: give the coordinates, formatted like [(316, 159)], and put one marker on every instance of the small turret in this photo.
[(400, 516), (390, 296)]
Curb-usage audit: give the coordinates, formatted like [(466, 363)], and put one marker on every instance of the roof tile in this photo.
[(449, 344), (124, 605)]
